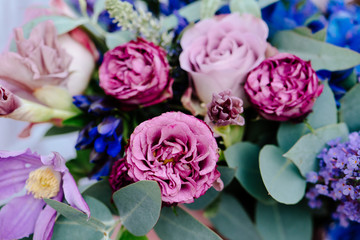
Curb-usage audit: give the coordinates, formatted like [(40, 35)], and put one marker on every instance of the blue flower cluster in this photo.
[(338, 178), (103, 136), (337, 232)]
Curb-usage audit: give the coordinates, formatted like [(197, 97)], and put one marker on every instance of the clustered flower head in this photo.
[(225, 109), (338, 178)]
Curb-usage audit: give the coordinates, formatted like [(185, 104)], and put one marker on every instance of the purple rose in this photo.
[(136, 73), (179, 152), (219, 53), (283, 87)]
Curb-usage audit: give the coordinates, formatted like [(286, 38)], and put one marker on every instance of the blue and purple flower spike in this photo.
[(41, 177), (338, 178)]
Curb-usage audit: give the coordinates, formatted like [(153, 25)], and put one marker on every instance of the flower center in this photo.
[(43, 182)]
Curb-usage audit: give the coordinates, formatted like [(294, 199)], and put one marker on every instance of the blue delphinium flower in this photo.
[(338, 179), (103, 135), (289, 14), (338, 232)]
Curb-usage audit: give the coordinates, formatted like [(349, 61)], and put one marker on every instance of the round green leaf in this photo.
[(350, 108), (232, 221), (245, 6), (139, 206), (281, 177), (181, 225), (244, 157), (283, 222), (227, 175), (304, 152)]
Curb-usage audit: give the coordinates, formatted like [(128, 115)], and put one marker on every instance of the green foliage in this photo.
[(244, 157), (75, 224), (80, 166), (126, 235), (303, 153), (324, 112), (118, 38), (209, 7), (53, 131), (283, 222), (265, 3), (232, 221), (245, 6), (227, 175), (139, 206), (99, 6), (181, 225), (191, 12), (101, 190), (77, 121), (281, 177), (350, 108), (322, 55)]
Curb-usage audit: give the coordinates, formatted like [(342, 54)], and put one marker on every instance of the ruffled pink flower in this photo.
[(283, 87), (179, 152), (29, 213), (219, 53), (136, 73), (8, 101), (39, 61)]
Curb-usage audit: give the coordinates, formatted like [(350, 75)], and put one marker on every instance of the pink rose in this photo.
[(39, 61), (8, 101), (179, 152), (219, 53), (283, 87), (136, 73)]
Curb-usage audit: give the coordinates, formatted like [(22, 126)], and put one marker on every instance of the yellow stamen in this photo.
[(168, 160), (43, 182)]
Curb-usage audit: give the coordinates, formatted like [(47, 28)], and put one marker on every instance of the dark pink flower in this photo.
[(42, 177), (179, 152), (225, 109), (118, 177), (136, 73), (8, 101), (283, 87)]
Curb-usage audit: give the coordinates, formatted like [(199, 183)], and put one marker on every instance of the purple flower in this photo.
[(179, 152), (283, 87), (312, 177), (42, 177), (118, 177), (225, 109)]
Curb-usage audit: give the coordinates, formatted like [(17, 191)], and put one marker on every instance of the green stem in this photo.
[(307, 124)]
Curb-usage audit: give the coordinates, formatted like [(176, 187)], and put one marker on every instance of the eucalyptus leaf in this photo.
[(245, 6), (265, 3), (209, 7), (322, 55), (100, 215), (226, 175), (324, 113), (244, 157), (283, 222), (61, 130), (303, 153), (118, 38), (99, 6), (350, 108), (139, 206), (191, 12), (281, 177), (233, 222), (101, 190), (126, 235), (181, 225), (69, 229)]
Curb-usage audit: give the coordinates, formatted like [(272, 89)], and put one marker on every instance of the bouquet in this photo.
[(205, 119)]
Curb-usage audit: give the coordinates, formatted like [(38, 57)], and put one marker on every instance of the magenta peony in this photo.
[(283, 87), (179, 152), (136, 73), (219, 53)]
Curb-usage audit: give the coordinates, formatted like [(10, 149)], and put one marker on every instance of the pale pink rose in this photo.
[(8, 101), (39, 61), (179, 152), (219, 52)]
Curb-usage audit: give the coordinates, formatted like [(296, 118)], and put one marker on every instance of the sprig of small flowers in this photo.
[(338, 178)]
